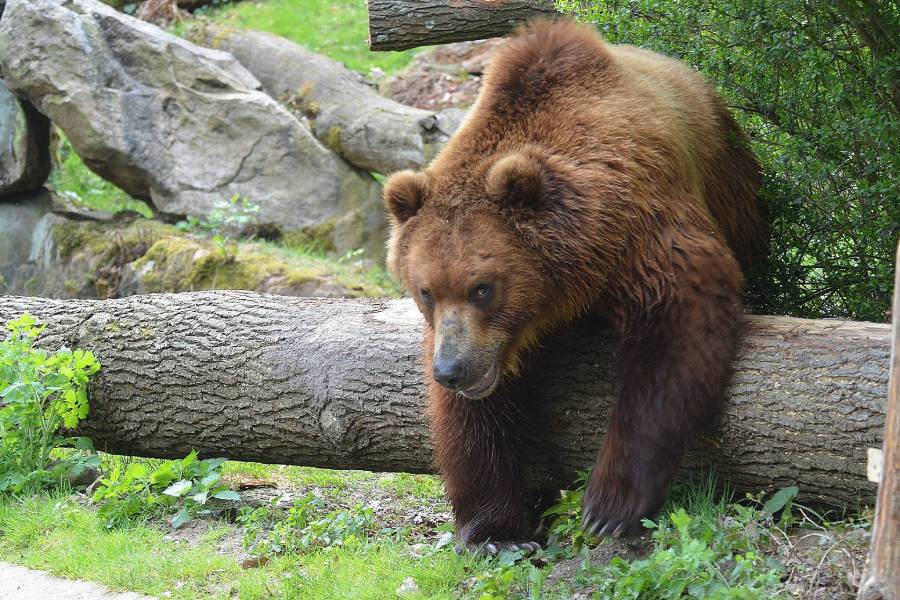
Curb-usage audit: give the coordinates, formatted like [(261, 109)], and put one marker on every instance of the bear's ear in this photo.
[(404, 194), (518, 181)]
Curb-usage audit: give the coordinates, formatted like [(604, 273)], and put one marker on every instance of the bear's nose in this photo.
[(449, 371)]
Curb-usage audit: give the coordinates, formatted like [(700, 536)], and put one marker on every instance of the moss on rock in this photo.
[(318, 239), (110, 259)]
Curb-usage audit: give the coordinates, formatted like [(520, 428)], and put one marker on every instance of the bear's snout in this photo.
[(449, 370)]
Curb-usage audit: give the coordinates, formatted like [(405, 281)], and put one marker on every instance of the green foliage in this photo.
[(510, 577), (695, 559), (40, 393), (711, 554), (816, 84), (188, 488), (304, 527), (72, 178), (335, 28), (227, 219)]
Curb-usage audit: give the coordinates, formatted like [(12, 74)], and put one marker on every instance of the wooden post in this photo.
[(882, 578)]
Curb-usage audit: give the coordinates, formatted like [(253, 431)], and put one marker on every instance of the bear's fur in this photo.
[(588, 177)]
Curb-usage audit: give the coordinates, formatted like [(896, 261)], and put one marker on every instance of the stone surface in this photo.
[(21, 583), (24, 144), (20, 217), (180, 125), (348, 115)]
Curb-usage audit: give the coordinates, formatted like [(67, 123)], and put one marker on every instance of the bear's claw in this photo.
[(608, 515), (491, 548)]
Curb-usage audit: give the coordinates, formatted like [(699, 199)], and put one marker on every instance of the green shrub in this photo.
[(188, 488), (817, 86), (695, 559), (40, 393)]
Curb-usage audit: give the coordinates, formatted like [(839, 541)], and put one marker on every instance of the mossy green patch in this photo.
[(333, 140), (71, 236), (313, 239), (168, 260), (175, 264)]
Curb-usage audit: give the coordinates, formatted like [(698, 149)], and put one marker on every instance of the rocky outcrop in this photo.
[(345, 113), (24, 145), (50, 248), (180, 125)]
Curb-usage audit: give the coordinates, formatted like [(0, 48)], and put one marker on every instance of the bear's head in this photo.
[(470, 247)]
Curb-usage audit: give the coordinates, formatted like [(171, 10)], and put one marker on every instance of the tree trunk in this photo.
[(338, 383), (368, 130), (410, 23), (882, 579)]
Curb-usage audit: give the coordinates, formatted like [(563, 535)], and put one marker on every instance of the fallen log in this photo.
[(409, 23), (349, 116), (337, 383)]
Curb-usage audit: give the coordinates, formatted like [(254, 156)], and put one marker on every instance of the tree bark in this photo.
[(410, 23), (338, 383), (366, 129), (882, 579)]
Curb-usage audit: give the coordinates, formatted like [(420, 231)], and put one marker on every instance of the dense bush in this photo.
[(816, 84)]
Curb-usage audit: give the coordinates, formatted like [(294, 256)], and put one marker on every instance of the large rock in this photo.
[(349, 116), (180, 125), (21, 219), (24, 145)]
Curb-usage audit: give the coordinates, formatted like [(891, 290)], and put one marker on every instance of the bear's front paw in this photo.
[(616, 508), (491, 548)]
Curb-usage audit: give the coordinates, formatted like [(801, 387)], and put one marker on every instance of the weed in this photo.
[(693, 558), (41, 392), (188, 487), (304, 528), (228, 219)]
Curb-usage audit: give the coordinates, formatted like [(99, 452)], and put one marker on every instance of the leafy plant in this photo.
[(304, 528), (41, 392), (692, 559), (227, 219), (696, 557), (188, 488), (566, 537), (509, 577), (816, 84)]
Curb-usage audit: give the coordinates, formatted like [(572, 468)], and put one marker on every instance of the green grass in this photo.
[(72, 178), (335, 28), (427, 487), (297, 476), (56, 534)]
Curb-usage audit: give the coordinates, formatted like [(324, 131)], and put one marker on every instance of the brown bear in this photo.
[(588, 177)]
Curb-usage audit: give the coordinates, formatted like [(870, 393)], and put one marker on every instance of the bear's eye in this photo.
[(482, 293), (427, 300)]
